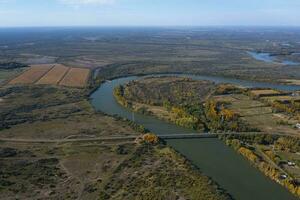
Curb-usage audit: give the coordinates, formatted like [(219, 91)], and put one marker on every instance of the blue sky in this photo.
[(149, 12)]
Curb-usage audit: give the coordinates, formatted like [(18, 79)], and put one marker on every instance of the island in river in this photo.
[(57, 144), (187, 147)]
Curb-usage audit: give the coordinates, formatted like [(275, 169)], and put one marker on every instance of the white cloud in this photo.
[(86, 2)]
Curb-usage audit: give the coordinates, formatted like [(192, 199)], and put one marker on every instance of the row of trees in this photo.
[(222, 118), (284, 143), (119, 95), (292, 107)]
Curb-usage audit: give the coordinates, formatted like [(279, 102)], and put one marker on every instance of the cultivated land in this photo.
[(282, 98), (260, 93), (32, 75), (54, 75), (128, 51), (76, 77), (260, 115)]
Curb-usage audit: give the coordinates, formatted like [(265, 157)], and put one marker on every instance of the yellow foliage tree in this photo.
[(150, 138)]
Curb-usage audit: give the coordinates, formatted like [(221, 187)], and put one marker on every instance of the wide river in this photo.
[(268, 58), (229, 169)]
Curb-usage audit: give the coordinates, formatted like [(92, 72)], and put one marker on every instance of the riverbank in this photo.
[(260, 151), (55, 145), (150, 103), (241, 180), (185, 102)]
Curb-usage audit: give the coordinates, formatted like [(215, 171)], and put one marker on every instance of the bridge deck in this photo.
[(188, 136)]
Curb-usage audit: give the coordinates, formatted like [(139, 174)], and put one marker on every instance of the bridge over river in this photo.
[(216, 160)]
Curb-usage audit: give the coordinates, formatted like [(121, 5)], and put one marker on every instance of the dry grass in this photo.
[(282, 98), (291, 81), (264, 92), (54, 75), (76, 77), (32, 75)]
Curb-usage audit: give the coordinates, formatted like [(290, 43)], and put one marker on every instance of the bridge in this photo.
[(129, 137), (188, 136), (110, 138)]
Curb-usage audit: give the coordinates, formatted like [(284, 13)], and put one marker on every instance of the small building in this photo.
[(297, 125), (291, 164), (283, 176)]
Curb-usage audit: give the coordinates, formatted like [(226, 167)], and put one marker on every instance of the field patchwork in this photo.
[(76, 77), (54, 74), (32, 75), (259, 114)]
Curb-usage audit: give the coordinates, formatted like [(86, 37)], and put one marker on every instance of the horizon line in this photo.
[(153, 26)]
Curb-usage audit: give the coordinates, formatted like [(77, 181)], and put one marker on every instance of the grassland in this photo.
[(6, 74), (291, 81), (10, 70), (99, 170), (159, 164), (38, 103), (127, 51), (53, 146)]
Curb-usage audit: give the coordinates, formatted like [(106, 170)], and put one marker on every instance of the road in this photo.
[(128, 137)]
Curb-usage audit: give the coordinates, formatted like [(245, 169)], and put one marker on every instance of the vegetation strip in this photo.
[(268, 161)]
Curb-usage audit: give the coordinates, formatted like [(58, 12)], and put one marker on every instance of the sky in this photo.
[(149, 13)]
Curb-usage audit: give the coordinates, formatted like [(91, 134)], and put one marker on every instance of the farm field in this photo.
[(259, 115), (76, 77), (54, 75), (281, 98), (32, 75), (264, 92)]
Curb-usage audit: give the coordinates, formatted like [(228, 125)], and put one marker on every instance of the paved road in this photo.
[(69, 140), (129, 137)]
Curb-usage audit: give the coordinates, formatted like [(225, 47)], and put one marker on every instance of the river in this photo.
[(268, 58), (229, 169)]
